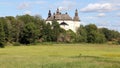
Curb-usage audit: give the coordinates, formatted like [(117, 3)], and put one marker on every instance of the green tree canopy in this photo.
[(29, 34), (2, 34)]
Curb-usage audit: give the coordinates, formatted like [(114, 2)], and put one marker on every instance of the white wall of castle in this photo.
[(73, 25)]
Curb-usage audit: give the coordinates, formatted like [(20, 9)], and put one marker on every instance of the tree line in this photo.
[(26, 29)]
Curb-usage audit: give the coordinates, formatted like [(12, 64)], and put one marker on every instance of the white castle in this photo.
[(66, 22)]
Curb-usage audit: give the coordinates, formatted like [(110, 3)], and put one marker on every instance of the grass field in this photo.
[(61, 56)]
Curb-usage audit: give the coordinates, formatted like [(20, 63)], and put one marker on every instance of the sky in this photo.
[(103, 13)]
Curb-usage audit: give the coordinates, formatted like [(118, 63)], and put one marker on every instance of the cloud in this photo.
[(101, 15), (61, 8), (98, 7)]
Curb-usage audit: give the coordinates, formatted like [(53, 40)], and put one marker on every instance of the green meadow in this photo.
[(61, 56)]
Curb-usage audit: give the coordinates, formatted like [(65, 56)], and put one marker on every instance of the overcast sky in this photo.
[(103, 13)]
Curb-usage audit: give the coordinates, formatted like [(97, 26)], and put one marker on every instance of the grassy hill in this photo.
[(61, 56)]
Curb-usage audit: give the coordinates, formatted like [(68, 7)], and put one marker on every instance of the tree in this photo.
[(2, 35), (110, 35), (29, 34), (39, 23), (81, 34), (5, 27), (18, 29), (94, 35), (70, 36), (8, 31), (26, 18), (55, 30), (91, 27), (11, 28), (47, 33), (91, 32), (100, 38)]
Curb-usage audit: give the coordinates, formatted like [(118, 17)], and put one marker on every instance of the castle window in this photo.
[(63, 23)]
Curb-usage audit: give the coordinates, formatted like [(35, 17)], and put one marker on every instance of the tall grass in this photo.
[(61, 56)]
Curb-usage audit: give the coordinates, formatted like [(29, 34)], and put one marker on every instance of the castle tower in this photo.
[(76, 17)]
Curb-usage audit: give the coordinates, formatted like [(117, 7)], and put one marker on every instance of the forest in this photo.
[(27, 29)]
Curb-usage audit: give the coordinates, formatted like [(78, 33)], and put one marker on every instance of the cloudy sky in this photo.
[(103, 13)]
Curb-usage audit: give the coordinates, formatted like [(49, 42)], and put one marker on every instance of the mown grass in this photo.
[(61, 56)]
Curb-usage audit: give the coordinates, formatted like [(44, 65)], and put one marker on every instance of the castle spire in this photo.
[(49, 13), (76, 12), (66, 13), (76, 17), (57, 12)]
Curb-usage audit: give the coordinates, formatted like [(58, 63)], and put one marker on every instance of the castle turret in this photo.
[(49, 14), (57, 12), (66, 13), (76, 17), (76, 12)]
